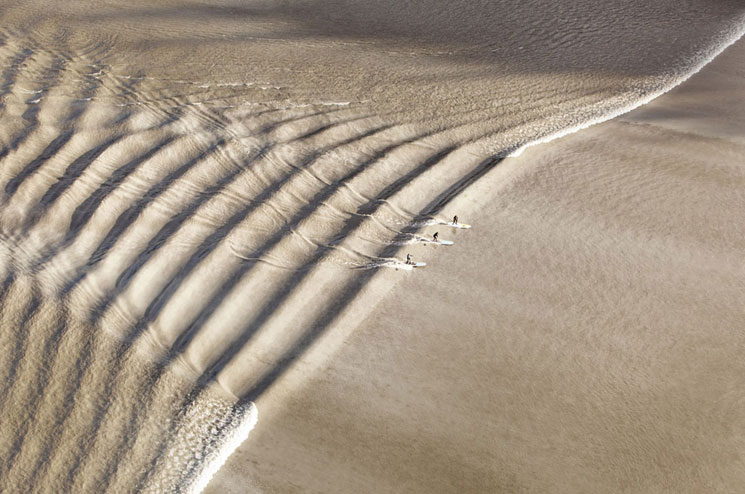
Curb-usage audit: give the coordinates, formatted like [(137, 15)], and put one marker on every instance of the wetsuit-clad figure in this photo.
[(435, 237), (408, 259), (455, 219)]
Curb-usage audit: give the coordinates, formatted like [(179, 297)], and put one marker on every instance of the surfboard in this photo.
[(458, 225), (437, 242), (419, 264)]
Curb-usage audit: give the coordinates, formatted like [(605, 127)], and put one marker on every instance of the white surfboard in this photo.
[(437, 242), (419, 264), (458, 225)]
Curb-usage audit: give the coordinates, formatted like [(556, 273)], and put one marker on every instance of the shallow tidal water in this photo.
[(190, 193)]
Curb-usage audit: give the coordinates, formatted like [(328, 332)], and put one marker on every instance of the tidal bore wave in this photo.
[(174, 236)]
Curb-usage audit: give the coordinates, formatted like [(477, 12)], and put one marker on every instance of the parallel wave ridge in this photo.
[(170, 249)]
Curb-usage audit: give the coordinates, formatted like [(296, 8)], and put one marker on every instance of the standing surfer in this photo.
[(455, 219), (435, 237)]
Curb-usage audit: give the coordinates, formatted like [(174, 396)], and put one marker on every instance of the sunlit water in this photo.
[(189, 191)]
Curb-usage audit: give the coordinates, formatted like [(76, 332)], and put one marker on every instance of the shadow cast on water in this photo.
[(167, 293), (482, 45), (326, 319), (216, 299), (120, 226), (317, 132), (307, 129), (54, 147)]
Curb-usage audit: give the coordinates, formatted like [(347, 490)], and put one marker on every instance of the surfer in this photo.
[(434, 237), (408, 259), (455, 219)]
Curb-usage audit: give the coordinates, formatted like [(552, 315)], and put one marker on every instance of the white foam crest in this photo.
[(390, 262), (215, 463), (700, 61), (210, 431)]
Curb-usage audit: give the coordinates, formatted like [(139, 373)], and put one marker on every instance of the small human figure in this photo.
[(435, 237), (408, 259), (455, 219)]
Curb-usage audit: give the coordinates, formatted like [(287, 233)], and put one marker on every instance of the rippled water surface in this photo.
[(191, 191)]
